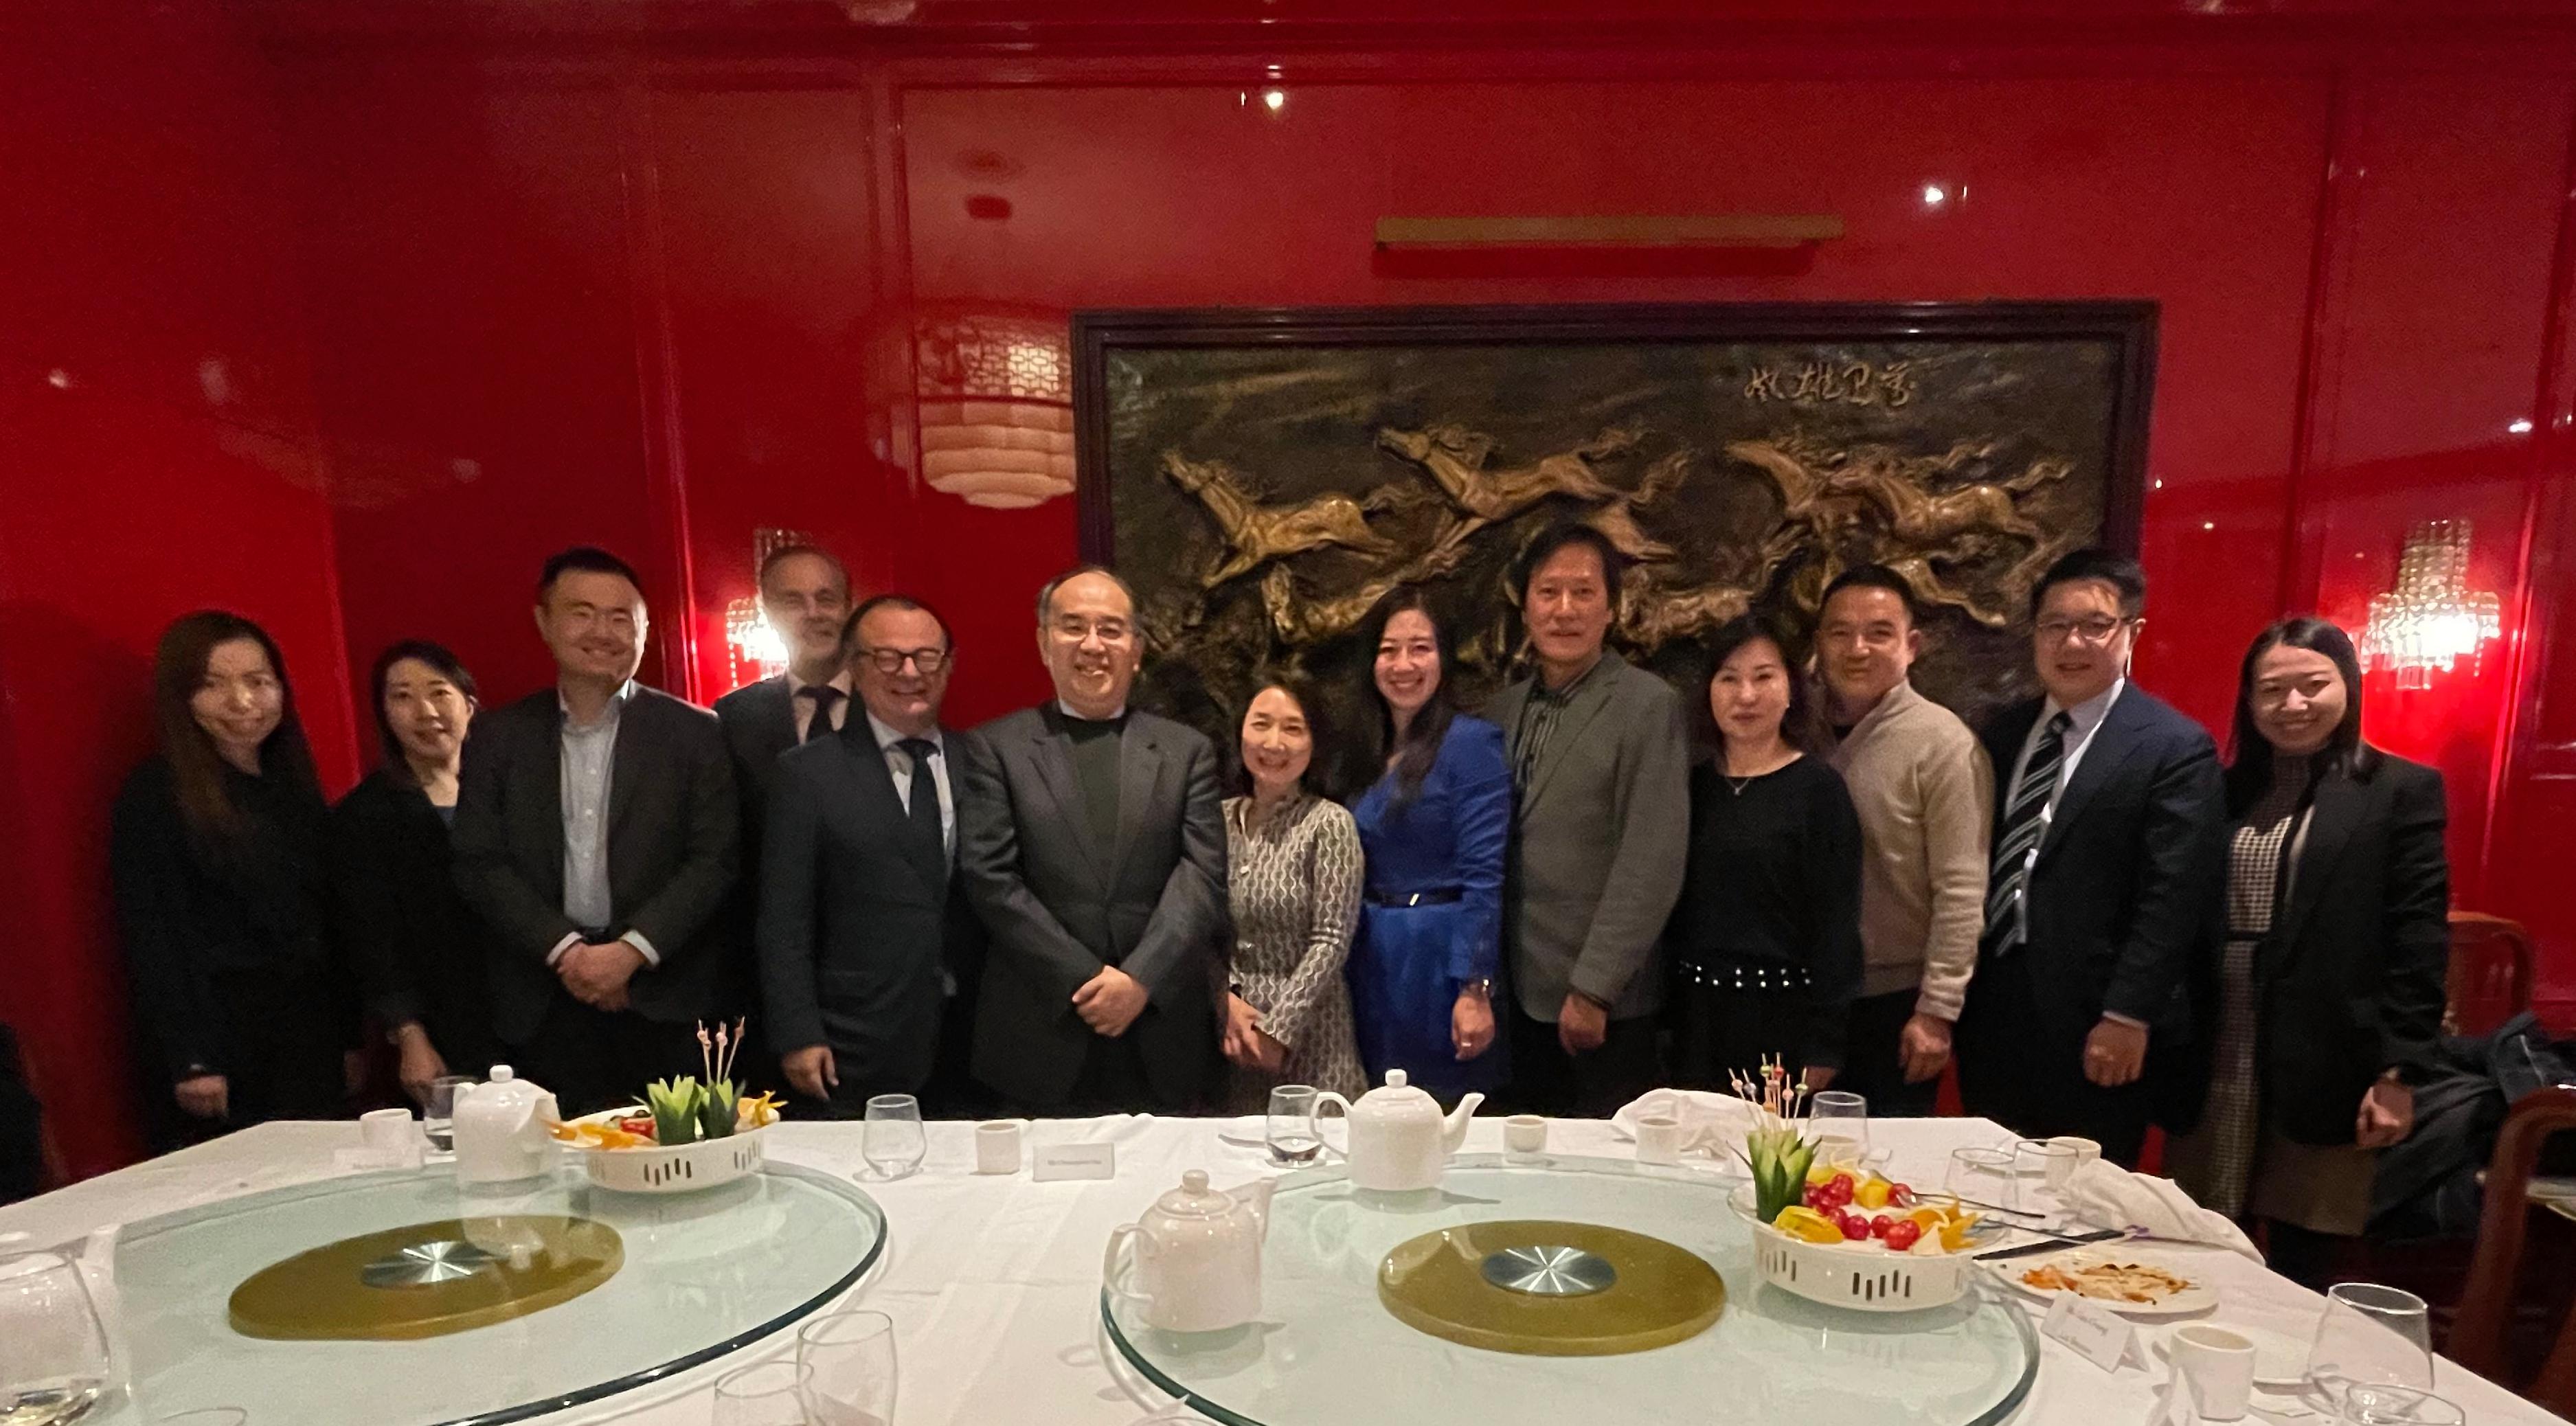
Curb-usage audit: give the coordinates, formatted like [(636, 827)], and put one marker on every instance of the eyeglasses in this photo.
[(891, 660), (2095, 630), (1075, 630)]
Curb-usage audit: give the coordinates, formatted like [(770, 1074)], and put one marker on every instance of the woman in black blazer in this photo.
[(215, 856), (2329, 992), (419, 951)]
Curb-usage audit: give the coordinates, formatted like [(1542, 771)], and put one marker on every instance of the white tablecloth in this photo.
[(993, 1282)]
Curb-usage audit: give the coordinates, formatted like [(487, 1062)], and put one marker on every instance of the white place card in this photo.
[(2094, 1333), (1063, 1161)]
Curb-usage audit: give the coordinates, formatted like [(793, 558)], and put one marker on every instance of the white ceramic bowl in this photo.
[(1865, 1277), (684, 1168)]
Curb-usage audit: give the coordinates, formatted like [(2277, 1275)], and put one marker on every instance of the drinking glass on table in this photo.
[(1288, 1130), (892, 1141), (849, 1369), (438, 1111), (2372, 1336), (2052, 1164), (53, 1354), (1983, 1177), (764, 1394), (2371, 1405), (1838, 1120)]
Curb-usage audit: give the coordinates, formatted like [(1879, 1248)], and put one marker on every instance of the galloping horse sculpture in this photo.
[(1256, 533)]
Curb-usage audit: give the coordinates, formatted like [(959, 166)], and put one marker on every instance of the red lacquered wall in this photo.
[(159, 457)]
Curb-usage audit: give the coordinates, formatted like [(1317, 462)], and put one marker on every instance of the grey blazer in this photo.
[(672, 847), (1058, 906), (1599, 839)]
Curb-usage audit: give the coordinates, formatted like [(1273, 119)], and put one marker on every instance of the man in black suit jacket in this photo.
[(2104, 887), (1094, 851), (864, 928), (596, 834), (805, 596)]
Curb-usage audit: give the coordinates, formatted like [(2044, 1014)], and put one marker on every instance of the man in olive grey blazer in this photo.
[(1093, 849), (1602, 771)]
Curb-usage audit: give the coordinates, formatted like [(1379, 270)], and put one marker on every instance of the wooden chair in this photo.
[(2490, 979), (2478, 1335)]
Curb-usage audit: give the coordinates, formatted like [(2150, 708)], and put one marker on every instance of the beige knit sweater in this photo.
[(1926, 793)]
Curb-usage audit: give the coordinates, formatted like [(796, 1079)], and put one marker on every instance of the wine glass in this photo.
[(53, 1353), (849, 1369), (1838, 1120), (763, 1394), (2384, 1405), (892, 1140), (1288, 1131), (2373, 1336)]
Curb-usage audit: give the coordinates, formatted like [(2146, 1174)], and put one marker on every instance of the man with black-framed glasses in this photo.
[(868, 951), (2102, 892)]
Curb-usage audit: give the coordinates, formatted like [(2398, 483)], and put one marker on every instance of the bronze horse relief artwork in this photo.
[(1263, 492)]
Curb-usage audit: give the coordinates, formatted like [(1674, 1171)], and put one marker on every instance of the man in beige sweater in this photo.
[(1925, 795)]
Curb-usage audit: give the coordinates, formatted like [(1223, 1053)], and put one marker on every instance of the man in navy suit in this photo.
[(865, 935), (2105, 879)]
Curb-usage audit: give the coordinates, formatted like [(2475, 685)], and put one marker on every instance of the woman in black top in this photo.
[(417, 948), (216, 858), (2328, 993), (1765, 942)]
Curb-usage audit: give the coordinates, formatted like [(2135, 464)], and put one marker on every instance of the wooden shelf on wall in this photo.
[(1644, 230)]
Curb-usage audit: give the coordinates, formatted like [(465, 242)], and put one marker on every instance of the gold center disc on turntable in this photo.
[(427, 1279), (1550, 1289)]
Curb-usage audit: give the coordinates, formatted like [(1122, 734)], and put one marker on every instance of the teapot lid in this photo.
[(502, 1074), (1194, 1199)]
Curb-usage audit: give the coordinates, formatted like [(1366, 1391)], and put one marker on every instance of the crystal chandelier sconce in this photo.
[(753, 650), (2432, 620), (996, 391)]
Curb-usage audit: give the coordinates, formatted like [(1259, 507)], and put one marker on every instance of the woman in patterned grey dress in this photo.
[(1294, 873)]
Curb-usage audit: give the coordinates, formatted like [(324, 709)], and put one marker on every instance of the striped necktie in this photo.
[(2025, 821)]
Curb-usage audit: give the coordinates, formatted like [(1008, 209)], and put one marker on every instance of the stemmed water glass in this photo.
[(892, 1140), (54, 1363)]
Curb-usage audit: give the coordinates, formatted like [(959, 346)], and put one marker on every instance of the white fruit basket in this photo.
[(1866, 1277), (683, 1168)]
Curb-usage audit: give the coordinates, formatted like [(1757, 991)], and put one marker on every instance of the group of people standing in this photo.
[(1062, 912)]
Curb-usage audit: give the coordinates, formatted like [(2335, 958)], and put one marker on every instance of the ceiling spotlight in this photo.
[(1277, 99), (1934, 195)]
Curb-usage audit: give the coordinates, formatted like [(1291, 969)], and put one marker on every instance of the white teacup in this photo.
[(1659, 1139), (2086, 1150), (997, 1146), (1525, 1134), (2217, 1368)]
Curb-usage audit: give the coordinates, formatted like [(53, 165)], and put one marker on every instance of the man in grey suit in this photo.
[(596, 834), (1094, 851), (1602, 772), (864, 929)]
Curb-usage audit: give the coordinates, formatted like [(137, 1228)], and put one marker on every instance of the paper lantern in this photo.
[(996, 401)]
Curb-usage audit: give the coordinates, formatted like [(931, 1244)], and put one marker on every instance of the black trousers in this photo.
[(1874, 1064), (1592, 1085), (595, 1059), (2013, 1071), (1720, 1032)]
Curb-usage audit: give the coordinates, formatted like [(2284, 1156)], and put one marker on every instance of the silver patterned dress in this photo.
[(1295, 888)]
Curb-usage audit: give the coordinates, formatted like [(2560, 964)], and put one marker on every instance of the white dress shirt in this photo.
[(899, 766), (586, 770), (801, 712)]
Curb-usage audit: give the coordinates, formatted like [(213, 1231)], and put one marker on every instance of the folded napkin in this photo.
[(2105, 1193), (1712, 1124)]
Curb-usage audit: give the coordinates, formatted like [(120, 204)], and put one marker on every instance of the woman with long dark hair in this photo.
[(1433, 821), (2328, 994), (418, 949), (216, 858), (1765, 941)]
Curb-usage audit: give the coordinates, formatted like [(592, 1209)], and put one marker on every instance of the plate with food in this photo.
[(2124, 1282), (681, 1134)]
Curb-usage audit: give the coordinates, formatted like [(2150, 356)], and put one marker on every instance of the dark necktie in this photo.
[(2024, 822), (825, 697), (929, 843)]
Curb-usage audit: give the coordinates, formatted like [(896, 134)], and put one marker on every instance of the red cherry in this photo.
[(1855, 1228), (1900, 1196), (1879, 1225), (1843, 1183), (1903, 1234)]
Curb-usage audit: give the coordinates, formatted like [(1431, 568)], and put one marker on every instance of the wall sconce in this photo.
[(753, 650), (2432, 619), (996, 392)]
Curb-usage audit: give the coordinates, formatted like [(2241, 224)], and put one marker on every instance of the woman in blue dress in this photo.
[(1423, 968)]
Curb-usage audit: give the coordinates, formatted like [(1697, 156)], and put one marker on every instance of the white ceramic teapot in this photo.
[(1198, 1256), (501, 1129), (1398, 1139)]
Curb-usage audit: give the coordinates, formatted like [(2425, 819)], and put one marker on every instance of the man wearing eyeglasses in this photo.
[(1092, 845), (868, 949), (2103, 889)]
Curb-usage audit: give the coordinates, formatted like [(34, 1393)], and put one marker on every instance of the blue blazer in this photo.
[(1452, 835)]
